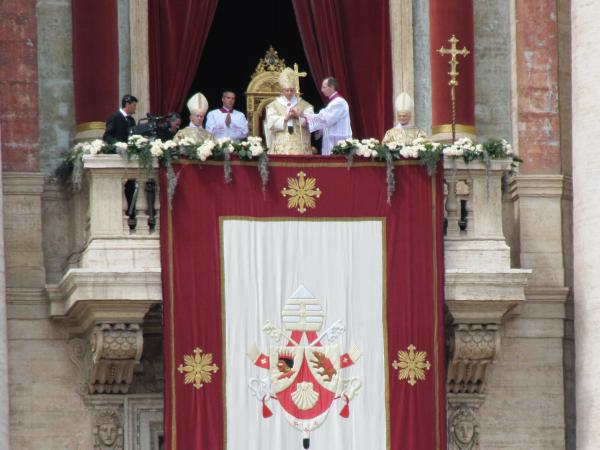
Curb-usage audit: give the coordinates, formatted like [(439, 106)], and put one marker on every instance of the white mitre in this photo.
[(197, 103), (287, 79), (404, 103)]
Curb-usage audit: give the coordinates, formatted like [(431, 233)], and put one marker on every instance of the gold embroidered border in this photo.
[(384, 289), (172, 333), (435, 312)]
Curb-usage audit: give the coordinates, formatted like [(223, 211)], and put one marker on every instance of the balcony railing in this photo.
[(113, 276)]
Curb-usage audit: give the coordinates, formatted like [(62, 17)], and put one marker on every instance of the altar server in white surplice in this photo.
[(226, 121), (333, 120), (289, 134)]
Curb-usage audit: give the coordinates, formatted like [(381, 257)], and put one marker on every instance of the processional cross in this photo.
[(298, 75), (453, 51)]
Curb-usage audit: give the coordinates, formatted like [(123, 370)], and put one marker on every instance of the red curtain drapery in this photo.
[(95, 60), (352, 44), (177, 34), (447, 19)]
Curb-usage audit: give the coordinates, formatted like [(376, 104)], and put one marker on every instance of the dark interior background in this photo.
[(240, 35)]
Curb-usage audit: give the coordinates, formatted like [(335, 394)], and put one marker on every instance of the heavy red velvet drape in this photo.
[(194, 289), (177, 33), (95, 60), (351, 42)]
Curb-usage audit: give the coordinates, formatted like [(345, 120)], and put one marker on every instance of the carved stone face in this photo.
[(107, 432), (464, 431)]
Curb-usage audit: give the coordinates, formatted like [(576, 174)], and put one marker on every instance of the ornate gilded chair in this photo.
[(262, 89)]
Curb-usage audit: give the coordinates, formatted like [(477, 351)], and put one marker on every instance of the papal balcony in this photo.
[(114, 277)]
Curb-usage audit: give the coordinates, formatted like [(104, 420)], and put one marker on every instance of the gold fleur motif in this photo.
[(198, 368), (410, 365), (301, 191)]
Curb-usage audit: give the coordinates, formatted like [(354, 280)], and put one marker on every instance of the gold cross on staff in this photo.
[(454, 52), (298, 75)]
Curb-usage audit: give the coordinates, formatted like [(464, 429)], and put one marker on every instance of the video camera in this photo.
[(153, 126)]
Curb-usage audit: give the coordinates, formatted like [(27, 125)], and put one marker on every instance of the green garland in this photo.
[(428, 153), (145, 150)]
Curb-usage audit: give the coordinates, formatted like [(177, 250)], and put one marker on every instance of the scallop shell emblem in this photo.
[(305, 397)]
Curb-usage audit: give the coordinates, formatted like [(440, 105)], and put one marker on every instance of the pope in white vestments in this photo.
[(334, 120), (227, 122), (288, 132)]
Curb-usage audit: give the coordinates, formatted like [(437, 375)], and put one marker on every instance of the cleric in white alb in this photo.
[(227, 122), (333, 120)]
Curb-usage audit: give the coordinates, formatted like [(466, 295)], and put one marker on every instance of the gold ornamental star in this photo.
[(198, 368), (302, 192), (411, 365)]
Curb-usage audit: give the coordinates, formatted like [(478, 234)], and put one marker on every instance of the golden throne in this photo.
[(263, 89)]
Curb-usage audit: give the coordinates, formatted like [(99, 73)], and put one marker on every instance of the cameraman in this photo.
[(119, 124), (170, 128)]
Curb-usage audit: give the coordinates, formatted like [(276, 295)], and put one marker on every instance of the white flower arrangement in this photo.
[(89, 148), (507, 147), (204, 150), (137, 140), (460, 147), (156, 148), (253, 144)]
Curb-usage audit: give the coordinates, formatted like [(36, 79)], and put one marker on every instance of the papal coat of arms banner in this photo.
[(306, 313)]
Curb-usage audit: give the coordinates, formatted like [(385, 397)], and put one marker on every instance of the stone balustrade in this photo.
[(481, 288), (113, 274)]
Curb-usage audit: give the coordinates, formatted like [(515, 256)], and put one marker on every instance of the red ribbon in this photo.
[(310, 337)]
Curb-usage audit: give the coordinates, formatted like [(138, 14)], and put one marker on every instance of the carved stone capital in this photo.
[(463, 421), (107, 359), (472, 347)]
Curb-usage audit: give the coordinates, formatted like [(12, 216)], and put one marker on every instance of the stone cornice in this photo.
[(107, 162), (475, 167), (85, 297), (480, 297), (23, 183), (547, 185)]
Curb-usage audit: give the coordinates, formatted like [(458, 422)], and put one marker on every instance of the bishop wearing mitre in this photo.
[(289, 135), (403, 133), (198, 105)]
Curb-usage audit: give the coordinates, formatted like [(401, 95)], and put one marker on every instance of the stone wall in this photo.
[(422, 74), (528, 391), (46, 410), (19, 85), (56, 108), (492, 69)]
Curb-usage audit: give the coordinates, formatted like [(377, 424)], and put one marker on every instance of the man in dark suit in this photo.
[(119, 124)]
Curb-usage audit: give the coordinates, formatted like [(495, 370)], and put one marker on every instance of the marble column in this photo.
[(586, 217), (4, 418), (401, 30), (140, 65)]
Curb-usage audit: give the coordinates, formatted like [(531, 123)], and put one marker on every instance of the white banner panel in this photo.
[(341, 263)]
